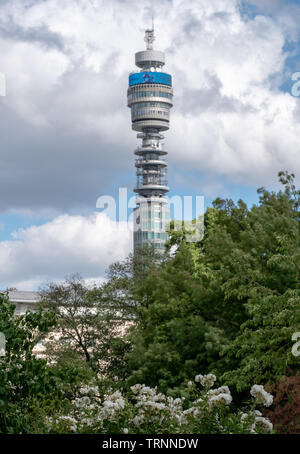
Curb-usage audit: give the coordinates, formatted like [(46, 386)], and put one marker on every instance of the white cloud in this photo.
[(66, 64), (66, 245), (227, 114)]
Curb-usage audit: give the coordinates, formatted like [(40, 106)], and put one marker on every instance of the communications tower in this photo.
[(149, 97)]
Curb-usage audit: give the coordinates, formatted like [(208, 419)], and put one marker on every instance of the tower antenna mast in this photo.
[(149, 37)]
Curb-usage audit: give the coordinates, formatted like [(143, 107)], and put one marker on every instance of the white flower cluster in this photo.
[(206, 380), (112, 405), (146, 410), (259, 421), (83, 402), (70, 422), (194, 411), (89, 411), (154, 407), (219, 396), (89, 390), (69, 419), (261, 396), (264, 423)]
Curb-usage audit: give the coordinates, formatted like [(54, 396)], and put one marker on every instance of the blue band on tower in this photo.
[(148, 77)]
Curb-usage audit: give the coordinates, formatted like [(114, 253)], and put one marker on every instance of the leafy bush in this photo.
[(26, 382)]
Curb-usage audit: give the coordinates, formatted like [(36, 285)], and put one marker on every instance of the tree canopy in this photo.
[(229, 303)]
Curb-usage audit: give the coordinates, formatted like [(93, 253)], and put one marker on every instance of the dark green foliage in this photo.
[(173, 341), (25, 380), (265, 276), (227, 304)]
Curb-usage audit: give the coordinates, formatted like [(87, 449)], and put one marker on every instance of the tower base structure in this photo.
[(151, 222)]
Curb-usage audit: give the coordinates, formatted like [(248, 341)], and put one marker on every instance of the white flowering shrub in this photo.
[(144, 410), (261, 396), (206, 380)]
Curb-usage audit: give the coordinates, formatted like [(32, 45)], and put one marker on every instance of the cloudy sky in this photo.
[(65, 127)]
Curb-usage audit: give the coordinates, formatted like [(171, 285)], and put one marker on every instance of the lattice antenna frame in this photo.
[(149, 37)]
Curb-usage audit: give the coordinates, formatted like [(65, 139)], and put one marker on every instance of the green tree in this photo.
[(26, 382), (229, 303), (169, 339), (265, 267), (88, 327)]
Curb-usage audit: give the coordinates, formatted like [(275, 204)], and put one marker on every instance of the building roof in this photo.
[(24, 297)]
